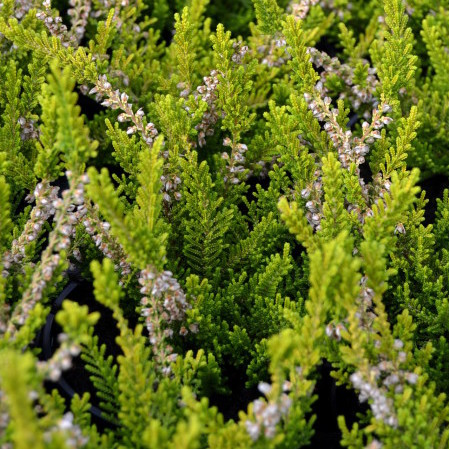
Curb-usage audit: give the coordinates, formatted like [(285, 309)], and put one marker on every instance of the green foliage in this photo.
[(17, 165), (207, 221), (269, 15), (5, 218), (135, 367), (102, 375), (140, 232), (234, 85), (64, 135), (15, 379), (335, 217), (303, 73), (395, 159), (246, 206), (188, 42), (396, 65)]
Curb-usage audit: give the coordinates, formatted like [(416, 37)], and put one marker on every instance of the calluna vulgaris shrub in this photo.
[(246, 207)]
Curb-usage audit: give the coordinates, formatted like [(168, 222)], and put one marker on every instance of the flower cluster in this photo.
[(382, 378), (334, 330), (267, 415), (235, 167), (60, 238), (371, 131), (61, 360), (21, 7), (106, 6), (4, 418), (350, 149), (163, 304), (365, 313), (116, 73), (340, 138), (408, 8), (313, 193), (55, 26), (79, 13), (375, 444), (356, 94), (365, 302), (74, 437), (170, 185), (45, 195), (273, 53), (74, 211), (207, 92), (34, 292), (99, 231), (300, 9), (117, 100), (336, 7), (28, 132), (381, 405), (399, 229), (240, 51), (4, 317)]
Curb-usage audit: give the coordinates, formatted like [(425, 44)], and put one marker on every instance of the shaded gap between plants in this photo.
[(77, 377), (434, 187), (239, 397), (333, 401)]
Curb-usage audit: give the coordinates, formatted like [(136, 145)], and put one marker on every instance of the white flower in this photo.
[(411, 378), (253, 429), (66, 422), (264, 388)]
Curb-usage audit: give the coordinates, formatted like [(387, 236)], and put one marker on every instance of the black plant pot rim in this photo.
[(47, 345)]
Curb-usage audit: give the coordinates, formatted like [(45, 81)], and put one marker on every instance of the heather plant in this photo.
[(239, 185)]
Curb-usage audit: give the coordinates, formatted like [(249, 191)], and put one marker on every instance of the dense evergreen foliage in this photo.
[(239, 183)]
